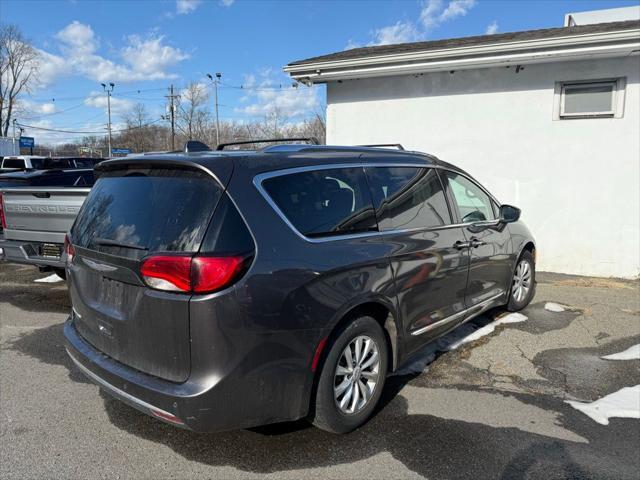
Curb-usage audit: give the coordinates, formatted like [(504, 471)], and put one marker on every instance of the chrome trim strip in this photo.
[(455, 316), (258, 179), (117, 391)]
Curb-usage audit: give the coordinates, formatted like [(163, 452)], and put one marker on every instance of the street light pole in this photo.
[(215, 85), (109, 91)]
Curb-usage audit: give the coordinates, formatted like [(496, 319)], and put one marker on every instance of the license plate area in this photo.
[(51, 250)]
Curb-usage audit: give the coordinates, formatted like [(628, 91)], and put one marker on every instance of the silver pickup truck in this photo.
[(35, 221)]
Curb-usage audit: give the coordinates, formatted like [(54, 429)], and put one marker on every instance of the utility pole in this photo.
[(109, 91), (215, 85), (172, 116)]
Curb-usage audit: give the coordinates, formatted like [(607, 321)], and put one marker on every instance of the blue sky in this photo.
[(144, 46)]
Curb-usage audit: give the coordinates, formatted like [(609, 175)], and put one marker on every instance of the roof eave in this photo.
[(571, 47)]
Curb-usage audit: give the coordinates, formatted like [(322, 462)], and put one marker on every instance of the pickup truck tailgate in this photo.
[(41, 214)]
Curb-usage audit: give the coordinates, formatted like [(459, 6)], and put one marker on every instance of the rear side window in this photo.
[(37, 163), (135, 212), (13, 163), (324, 202), (408, 198), (227, 233)]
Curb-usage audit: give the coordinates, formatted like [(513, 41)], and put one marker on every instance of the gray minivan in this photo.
[(231, 289)]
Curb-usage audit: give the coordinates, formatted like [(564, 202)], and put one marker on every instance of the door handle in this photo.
[(461, 245), (475, 243)]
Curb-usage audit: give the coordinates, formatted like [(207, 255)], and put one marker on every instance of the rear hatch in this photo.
[(134, 211)]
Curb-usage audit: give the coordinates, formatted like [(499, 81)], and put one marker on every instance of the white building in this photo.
[(548, 120)]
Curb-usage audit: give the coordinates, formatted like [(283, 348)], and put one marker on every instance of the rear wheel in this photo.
[(523, 283), (352, 377)]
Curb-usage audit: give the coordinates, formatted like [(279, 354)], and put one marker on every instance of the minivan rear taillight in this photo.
[(68, 249), (3, 220), (176, 273)]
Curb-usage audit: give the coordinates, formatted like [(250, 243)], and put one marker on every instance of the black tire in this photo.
[(515, 304), (61, 272), (325, 413)]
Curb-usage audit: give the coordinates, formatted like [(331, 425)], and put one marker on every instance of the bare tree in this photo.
[(18, 70), (192, 116), (138, 135)]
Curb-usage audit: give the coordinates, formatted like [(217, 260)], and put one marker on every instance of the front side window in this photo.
[(473, 203), (324, 202), (408, 198)]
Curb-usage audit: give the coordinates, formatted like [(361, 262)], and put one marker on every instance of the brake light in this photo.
[(69, 249), (213, 273), (175, 273), (3, 220)]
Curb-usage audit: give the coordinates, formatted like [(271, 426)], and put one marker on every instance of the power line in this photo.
[(58, 130)]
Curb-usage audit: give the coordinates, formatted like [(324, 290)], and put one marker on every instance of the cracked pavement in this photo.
[(493, 408)]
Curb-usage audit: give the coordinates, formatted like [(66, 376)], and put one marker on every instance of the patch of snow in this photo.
[(625, 403), (50, 279), (463, 334), (554, 307), (487, 329), (631, 353)]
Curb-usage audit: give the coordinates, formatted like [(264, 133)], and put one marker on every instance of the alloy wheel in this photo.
[(356, 374), (521, 281)]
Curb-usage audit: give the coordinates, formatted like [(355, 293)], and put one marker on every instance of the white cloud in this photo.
[(400, 32), (492, 28), (99, 100), (79, 37), (432, 14), (456, 8), (150, 58), (265, 98), (227, 3), (142, 58), (184, 7)]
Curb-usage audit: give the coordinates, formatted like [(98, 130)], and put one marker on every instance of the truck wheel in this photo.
[(352, 377)]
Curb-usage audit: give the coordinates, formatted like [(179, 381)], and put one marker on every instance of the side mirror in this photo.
[(509, 214)]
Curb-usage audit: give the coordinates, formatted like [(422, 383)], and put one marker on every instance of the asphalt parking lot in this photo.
[(492, 408)]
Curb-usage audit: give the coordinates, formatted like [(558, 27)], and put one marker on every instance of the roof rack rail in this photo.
[(309, 140), (384, 145)]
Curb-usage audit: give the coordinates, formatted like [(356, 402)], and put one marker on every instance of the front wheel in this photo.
[(523, 283), (352, 377)]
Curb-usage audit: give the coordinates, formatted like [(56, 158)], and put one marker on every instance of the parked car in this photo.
[(225, 290), (35, 214), (34, 162), (19, 162)]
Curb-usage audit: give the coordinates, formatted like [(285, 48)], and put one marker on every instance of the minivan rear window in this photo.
[(135, 212), (324, 202)]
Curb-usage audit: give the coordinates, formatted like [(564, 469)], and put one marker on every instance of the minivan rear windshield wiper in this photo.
[(115, 243)]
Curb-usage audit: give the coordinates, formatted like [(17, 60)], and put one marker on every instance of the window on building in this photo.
[(591, 99), (473, 203), (324, 202), (408, 198)]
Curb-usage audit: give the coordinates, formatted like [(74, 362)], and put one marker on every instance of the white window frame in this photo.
[(617, 98)]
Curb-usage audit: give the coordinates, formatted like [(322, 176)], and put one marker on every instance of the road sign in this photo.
[(27, 142), (120, 151)]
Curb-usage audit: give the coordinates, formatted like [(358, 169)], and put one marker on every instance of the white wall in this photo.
[(577, 181)]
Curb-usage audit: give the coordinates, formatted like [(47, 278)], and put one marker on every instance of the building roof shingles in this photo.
[(470, 41)]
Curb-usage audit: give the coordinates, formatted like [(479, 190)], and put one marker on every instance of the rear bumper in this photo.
[(212, 404), (27, 252)]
